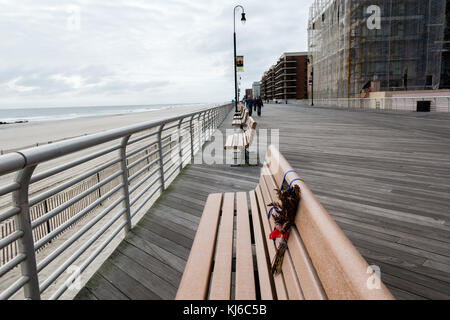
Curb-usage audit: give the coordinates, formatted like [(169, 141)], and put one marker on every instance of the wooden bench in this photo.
[(320, 262), (241, 140), (241, 120), (240, 110)]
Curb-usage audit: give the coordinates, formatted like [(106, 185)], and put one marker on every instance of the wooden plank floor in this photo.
[(384, 177)]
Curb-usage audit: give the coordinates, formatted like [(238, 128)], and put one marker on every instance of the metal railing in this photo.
[(69, 200), (406, 103)]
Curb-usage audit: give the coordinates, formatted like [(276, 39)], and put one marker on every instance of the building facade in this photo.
[(256, 88), (394, 44), (248, 93), (286, 81)]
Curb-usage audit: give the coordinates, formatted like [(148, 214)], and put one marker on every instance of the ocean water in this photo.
[(43, 114)]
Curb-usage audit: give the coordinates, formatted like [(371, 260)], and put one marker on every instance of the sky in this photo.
[(57, 53)]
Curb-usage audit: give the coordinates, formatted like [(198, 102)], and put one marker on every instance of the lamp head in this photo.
[(243, 19)]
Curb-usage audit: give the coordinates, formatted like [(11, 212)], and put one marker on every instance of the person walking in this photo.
[(250, 106), (254, 103), (259, 105)]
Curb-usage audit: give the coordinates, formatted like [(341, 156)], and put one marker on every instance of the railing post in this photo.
[(216, 112), (210, 123), (179, 144), (125, 188), (203, 133), (199, 134), (161, 160), (26, 243), (191, 129)]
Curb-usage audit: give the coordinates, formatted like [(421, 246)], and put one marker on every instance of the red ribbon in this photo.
[(278, 234)]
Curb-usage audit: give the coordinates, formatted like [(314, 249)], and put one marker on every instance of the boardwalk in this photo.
[(384, 178)]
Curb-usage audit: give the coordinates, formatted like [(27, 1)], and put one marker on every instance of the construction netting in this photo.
[(399, 44)]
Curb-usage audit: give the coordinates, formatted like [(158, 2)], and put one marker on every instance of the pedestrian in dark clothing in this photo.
[(250, 106), (255, 101), (259, 105)]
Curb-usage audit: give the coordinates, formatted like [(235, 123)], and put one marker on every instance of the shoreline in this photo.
[(22, 135)]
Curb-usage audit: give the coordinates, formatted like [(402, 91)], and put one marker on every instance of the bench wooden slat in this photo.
[(195, 280), (241, 141), (220, 288), (307, 275), (235, 138), (229, 142), (245, 281), (290, 276), (279, 280), (264, 275)]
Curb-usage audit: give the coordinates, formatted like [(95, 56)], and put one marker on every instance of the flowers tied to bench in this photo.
[(283, 213)]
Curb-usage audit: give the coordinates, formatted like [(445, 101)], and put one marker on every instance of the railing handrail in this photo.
[(20, 159)]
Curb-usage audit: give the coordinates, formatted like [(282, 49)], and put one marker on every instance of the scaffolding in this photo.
[(408, 52)]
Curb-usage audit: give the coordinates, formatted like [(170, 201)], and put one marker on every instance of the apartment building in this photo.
[(286, 81)]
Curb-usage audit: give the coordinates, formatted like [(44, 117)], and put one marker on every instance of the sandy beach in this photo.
[(24, 135)]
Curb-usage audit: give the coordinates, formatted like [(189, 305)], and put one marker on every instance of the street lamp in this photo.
[(243, 19), (312, 82)]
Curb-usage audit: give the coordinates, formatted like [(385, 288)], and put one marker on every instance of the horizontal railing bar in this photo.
[(75, 199), (76, 217), (171, 166), (78, 253), (70, 183), (167, 152), (9, 188), (171, 127), (9, 213), (10, 238), (142, 181), (130, 166), (87, 262), (134, 176), (132, 202), (48, 259), (169, 175), (133, 141), (187, 156), (140, 149), (72, 164), (31, 156), (12, 264), (167, 144), (134, 212), (14, 288)]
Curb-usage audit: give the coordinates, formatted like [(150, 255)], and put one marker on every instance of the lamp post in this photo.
[(243, 19), (312, 81), (312, 87)]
